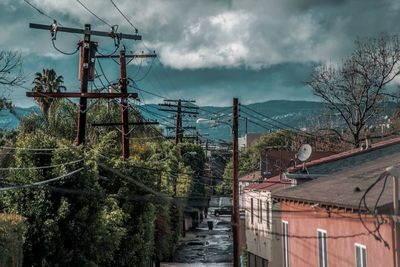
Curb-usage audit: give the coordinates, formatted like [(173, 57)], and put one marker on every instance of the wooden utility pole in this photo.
[(124, 105), (179, 109), (85, 58), (86, 68), (179, 130), (235, 185), (123, 85)]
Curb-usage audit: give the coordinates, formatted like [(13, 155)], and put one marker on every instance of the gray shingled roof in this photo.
[(354, 160), (339, 189)]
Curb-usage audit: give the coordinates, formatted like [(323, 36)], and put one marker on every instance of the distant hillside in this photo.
[(10, 122), (299, 114)]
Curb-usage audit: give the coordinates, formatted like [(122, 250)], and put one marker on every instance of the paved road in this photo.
[(206, 248)]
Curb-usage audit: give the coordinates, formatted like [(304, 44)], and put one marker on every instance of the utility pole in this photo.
[(86, 70), (179, 109), (85, 57), (235, 185), (124, 105), (245, 120), (179, 130), (123, 85)]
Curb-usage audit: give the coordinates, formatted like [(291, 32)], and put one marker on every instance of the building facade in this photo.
[(266, 245), (321, 236)]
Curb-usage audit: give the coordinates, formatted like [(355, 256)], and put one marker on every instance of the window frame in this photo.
[(324, 247), (362, 247), (267, 211), (285, 243), (251, 211)]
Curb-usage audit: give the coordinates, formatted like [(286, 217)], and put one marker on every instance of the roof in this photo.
[(268, 185), (333, 164), (346, 188), (278, 160), (349, 158), (253, 176)]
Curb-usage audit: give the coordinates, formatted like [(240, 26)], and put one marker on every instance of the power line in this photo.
[(119, 10), (34, 149), (277, 121), (91, 12), (41, 182), (63, 52), (38, 10), (40, 167), (147, 73)]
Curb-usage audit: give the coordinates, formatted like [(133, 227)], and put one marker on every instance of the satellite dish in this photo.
[(304, 152)]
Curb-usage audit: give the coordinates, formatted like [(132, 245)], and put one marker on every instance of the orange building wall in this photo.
[(347, 229)]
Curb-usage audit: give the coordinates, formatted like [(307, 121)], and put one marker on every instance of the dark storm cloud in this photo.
[(211, 50), (217, 86)]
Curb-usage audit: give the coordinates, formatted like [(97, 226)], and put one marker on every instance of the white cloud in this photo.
[(224, 33)]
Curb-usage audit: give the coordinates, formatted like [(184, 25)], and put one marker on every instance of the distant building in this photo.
[(248, 139), (245, 181), (261, 222)]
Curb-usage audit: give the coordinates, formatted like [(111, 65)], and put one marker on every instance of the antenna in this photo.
[(304, 152)]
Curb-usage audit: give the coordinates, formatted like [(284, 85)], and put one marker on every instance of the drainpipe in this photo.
[(395, 173)]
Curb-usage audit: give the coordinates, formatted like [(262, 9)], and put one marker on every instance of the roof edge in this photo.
[(347, 154)]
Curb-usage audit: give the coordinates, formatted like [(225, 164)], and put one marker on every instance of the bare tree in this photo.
[(10, 75), (357, 88), (10, 68)]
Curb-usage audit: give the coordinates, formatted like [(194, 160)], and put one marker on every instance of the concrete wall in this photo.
[(242, 186), (344, 229), (258, 235)]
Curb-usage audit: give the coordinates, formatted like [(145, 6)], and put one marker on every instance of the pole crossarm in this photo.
[(82, 95), (182, 111), (129, 123), (128, 56), (182, 106), (180, 100), (82, 31), (185, 137), (185, 128)]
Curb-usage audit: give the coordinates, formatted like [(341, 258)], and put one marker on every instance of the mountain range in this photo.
[(260, 117)]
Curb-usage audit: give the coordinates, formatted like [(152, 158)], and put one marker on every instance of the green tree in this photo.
[(47, 82)]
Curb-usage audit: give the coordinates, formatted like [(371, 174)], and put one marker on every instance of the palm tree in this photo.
[(47, 82)]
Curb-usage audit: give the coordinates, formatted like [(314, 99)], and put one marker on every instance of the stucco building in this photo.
[(265, 243)]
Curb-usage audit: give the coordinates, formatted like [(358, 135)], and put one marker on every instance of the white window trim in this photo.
[(268, 215), (355, 253), (326, 244), (287, 244), (252, 211)]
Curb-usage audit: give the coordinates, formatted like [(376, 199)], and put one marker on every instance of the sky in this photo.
[(209, 50)]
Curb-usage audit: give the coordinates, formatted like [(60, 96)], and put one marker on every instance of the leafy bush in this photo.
[(12, 229)]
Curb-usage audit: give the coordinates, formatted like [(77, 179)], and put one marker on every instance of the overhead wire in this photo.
[(41, 167), (38, 10), (2, 189), (91, 12), (63, 52), (123, 15)]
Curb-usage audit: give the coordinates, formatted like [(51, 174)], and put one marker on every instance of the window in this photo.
[(361, 255), (267, 215), (252, 211), (259, 210), (322, 251), (285, 240)]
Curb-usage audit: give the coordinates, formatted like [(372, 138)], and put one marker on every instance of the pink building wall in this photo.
[(346, 227)]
